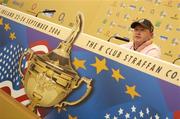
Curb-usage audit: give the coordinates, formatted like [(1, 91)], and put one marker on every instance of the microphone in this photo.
[(119, 38), (123, 39), (176, 60), (46, 11)]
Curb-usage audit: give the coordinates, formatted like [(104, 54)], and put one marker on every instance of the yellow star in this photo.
[(79, 63), (71, 117), (131, 90), (116, 74), (12, 36), (7, 27), (1, 21), (100, 65)]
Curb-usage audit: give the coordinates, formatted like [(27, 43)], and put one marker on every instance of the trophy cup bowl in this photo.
[(50, 78)]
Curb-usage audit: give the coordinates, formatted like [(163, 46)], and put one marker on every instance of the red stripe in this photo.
[(22, 98), (39, 42), (177, 115), (19, 99), (7, 90), (39, 52)]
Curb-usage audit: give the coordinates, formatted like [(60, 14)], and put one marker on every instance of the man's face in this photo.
[(141, 34)]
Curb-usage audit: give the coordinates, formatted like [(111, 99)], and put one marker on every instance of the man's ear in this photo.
[(152, 34)]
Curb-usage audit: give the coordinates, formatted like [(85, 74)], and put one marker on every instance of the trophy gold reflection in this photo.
[(50, 78)]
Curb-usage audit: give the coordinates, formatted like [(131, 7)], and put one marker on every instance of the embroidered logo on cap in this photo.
[(141, 21)]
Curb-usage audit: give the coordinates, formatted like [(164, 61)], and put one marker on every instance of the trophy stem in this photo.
[(33, 104), (32, 107)]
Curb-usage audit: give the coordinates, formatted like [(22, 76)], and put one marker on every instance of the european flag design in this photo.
[(119, 91)]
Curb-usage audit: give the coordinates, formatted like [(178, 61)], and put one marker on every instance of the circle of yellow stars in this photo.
[(100, 65), (1, 21), (117, 75), (7, 27), (79, 63), (131, 90), (72, 117)]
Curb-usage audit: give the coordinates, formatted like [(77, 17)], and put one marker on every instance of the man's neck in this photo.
[(135, 46), (139, 47)]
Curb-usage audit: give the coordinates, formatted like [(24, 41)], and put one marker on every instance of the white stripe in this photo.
[(40, 48), (25, 102), (14, 93)]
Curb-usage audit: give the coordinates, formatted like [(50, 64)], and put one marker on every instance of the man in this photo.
[(142, 35)]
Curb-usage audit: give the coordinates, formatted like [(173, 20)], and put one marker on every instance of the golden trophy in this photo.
[(50, 78)]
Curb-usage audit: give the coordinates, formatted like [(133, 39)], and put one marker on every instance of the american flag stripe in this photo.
[(25, 102), (14, 93), (21, 98), (19, 95), (40, 47)]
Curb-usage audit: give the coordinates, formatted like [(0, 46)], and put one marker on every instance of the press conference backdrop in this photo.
[(122, 79), (105, 18)]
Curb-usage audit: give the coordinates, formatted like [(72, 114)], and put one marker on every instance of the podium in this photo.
[(11, 109)]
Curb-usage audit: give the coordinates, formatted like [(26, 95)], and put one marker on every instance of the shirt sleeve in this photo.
[(127, 45), (154, 53)]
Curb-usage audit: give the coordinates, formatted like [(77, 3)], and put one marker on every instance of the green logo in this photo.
[(158, 23)]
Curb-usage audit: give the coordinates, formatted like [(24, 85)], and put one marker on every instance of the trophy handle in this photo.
[(29, 51), (89, 89)]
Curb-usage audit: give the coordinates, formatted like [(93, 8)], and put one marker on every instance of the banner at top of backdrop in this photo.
[(147, 88)]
